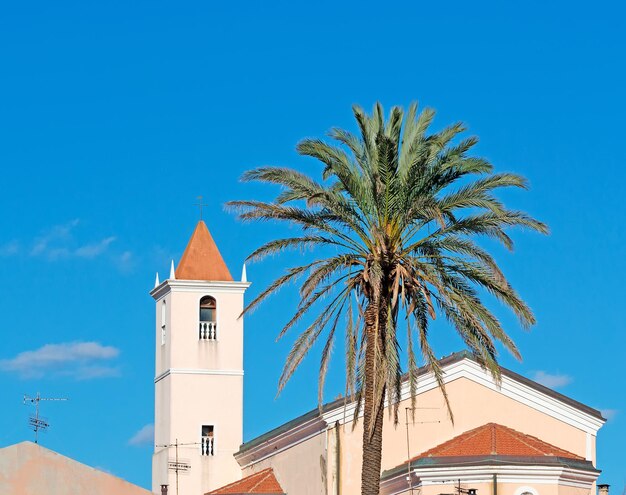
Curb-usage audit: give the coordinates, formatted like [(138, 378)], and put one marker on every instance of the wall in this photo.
[(301, 469)]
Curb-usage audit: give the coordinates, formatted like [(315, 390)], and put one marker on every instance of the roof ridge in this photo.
[(239, 481), (519, 436), (461, 437), (522, 437), (453, 358), (257, 479), (262, 479), (496, 431)]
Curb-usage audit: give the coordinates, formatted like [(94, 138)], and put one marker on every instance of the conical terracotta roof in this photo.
[(201, 259), (495, 439)]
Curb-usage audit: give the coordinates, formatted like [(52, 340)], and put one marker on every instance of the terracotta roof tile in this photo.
[(201, 259), (261, 482), (495, 439)]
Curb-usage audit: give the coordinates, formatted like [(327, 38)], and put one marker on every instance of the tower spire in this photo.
[(202, 259)]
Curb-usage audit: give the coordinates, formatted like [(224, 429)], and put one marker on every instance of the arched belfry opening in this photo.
[(208, 318)]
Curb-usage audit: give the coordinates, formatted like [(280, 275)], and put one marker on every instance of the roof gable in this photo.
[(458, 365), (262, 482), (202, 259)]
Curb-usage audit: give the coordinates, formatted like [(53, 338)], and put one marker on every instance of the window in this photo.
[(163, 323), (526, 490), (207, 443), (207, 309), (208, 319)]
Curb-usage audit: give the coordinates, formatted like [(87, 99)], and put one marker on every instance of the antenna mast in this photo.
[(35, 422), (177, 465), (408, 447)]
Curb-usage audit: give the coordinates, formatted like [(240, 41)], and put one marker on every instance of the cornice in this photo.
[(511, 473), (281, 442), (174, 285), (191, 371), (457, 366), (467, 368)]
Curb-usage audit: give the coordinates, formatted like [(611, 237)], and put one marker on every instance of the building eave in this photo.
[(427, 464), (481, 469)]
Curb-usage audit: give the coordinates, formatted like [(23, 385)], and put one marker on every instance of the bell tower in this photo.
[(198, 382)]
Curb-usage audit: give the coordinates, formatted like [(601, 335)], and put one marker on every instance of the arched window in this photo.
[(526, 490), (208, 319), (207, 309)]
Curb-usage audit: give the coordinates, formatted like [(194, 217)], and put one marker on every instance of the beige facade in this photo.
[(329, 440)]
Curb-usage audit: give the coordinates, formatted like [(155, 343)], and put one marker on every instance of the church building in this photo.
[(514, 438)]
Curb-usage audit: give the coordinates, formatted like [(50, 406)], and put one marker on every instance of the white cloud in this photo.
[(609, 414), (57, 233), (552, 380), (76, 359), (125, 261), (145, 436), (59, 243), (10, 248), (95, 249)]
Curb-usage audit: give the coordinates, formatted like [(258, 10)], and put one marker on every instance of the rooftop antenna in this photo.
[(459, 490), (35, 422), (177, 465), (408, 447), (199, 204)]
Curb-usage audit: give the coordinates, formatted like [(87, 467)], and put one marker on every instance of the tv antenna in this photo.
[(459, 490), (408, 447), (177, 465), (36, 422)]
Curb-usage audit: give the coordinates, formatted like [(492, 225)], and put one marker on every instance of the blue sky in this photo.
[(115, 116)]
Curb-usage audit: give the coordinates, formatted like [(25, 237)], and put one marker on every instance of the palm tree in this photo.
[(396, 213)]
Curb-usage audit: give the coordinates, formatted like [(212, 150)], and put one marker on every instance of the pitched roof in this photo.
[(201, 259), (261, 482), (29, 469), (443, 362), (494, 439)]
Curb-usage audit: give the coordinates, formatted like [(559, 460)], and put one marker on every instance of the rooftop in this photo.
[(261, 482), (452, 358), (495, 439), (492, 445), (201, 259)]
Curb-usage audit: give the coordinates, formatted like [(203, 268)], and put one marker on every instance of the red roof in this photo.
[(201, 259), (495, 439), (261, 482)]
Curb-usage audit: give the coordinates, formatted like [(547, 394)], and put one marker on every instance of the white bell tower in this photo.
[(199, 372)]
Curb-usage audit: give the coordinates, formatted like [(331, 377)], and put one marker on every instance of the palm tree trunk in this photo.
[(373, 404)]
